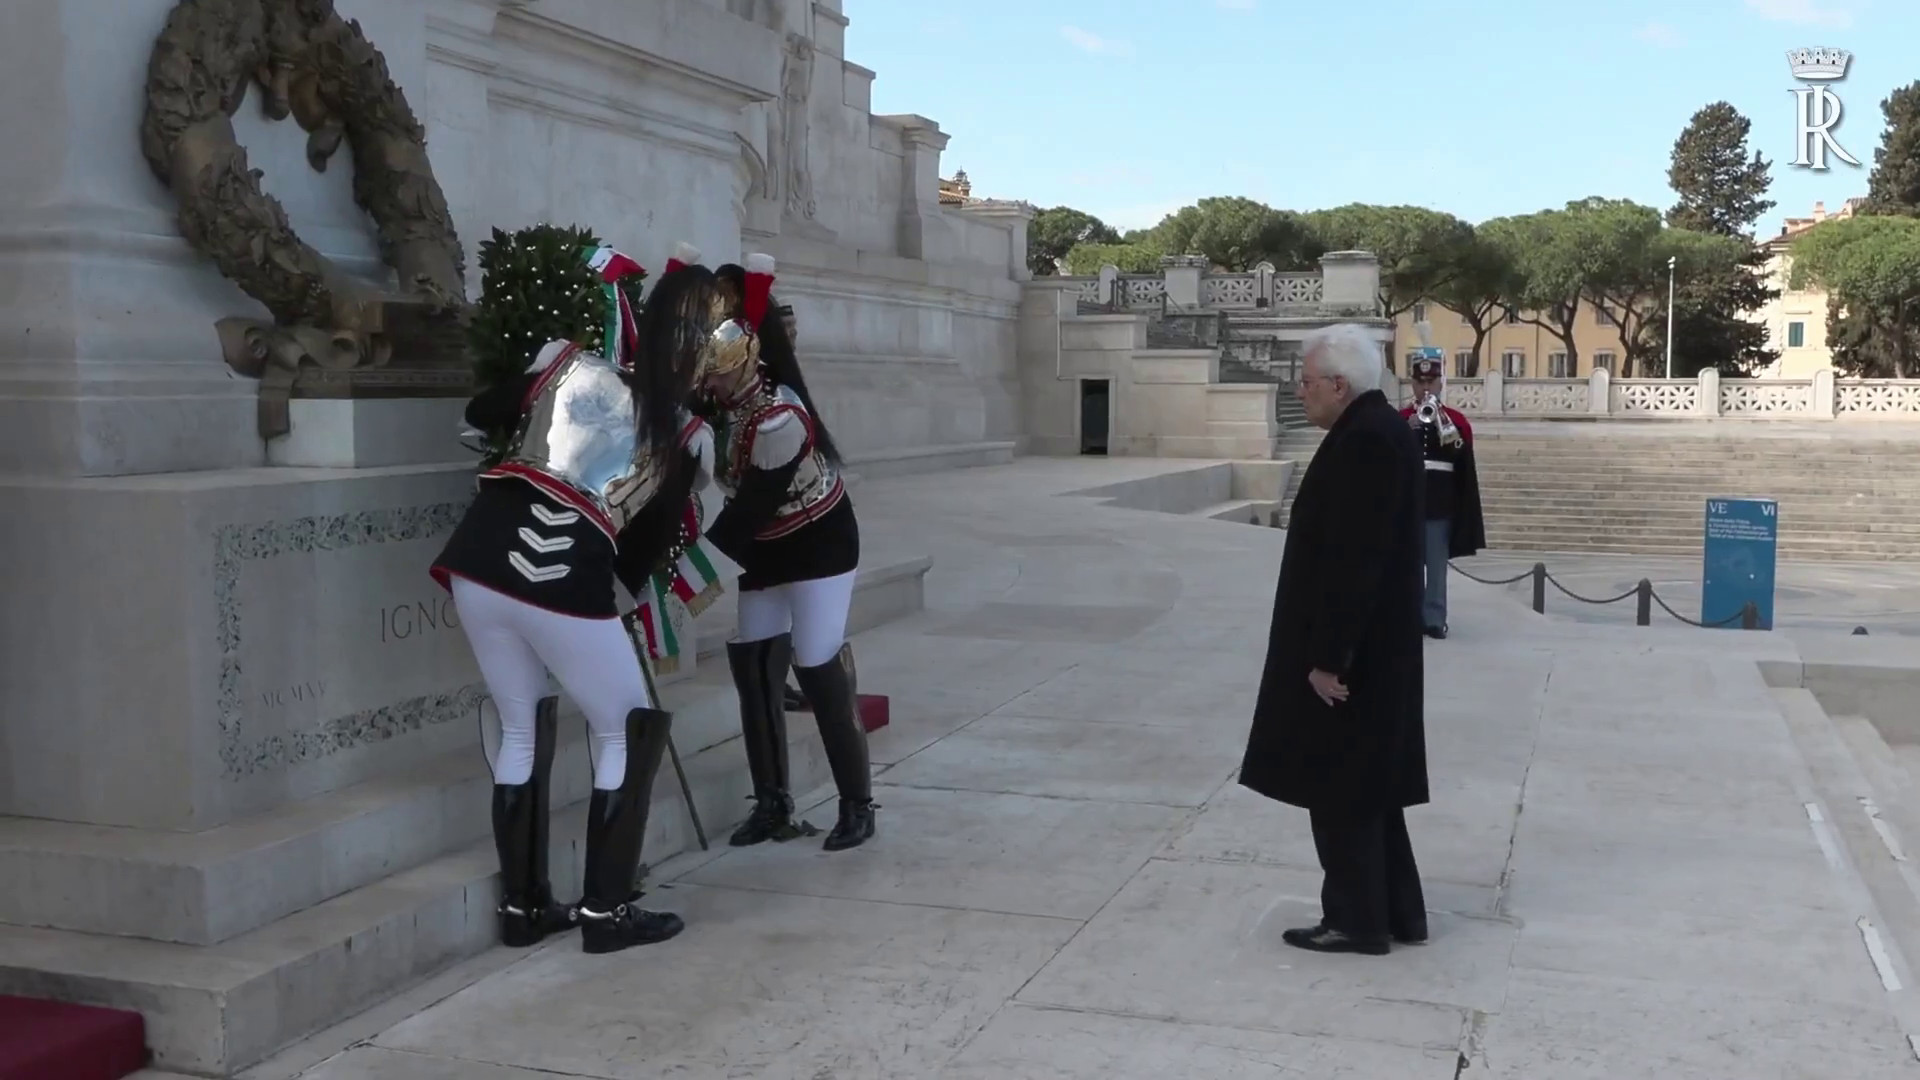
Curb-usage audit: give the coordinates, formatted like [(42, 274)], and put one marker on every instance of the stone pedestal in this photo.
[(240, 786), (369, 433), (1350, 282)]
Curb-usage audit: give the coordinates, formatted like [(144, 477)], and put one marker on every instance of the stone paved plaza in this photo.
[(1067, 882)]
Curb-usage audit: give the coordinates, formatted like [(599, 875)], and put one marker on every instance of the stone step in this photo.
[(1825, 516), (1654, 532), (1630, 545), (1675, 492), (1681, 465), (1705, 453), (226, 881), (1666, 533), (1682, 486), (910, 460), (1240, 511), (1584, 518), (1601, 458), (212, 1009)]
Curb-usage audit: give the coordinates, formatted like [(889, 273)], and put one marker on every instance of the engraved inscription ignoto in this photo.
[(244, 753)]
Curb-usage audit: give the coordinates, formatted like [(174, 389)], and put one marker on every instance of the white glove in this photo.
[(699, 442)]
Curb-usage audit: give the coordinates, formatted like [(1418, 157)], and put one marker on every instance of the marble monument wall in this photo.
[(194, 637)]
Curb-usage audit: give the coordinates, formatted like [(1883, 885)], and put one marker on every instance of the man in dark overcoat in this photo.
[(1338, 727)]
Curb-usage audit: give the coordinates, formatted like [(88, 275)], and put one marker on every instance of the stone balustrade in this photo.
[(1600, 396), (1184, 282)]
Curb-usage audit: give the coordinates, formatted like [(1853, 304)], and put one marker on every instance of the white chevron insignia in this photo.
[(537, 574), (553, 519), (542, 545)]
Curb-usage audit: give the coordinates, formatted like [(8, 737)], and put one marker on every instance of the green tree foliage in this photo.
[(1722, 189), (1894, 185), (536, 287), (1865, 337), (1237, 234), (1140, 257), (1419, 249), (1722, 192), (1869, 266), (1629, 251), (1476, 291), (1610, 252), (1550, 270), (1717, 279), (1056, 231)]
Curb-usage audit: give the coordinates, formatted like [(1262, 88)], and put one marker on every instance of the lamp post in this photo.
[(1671, 260)]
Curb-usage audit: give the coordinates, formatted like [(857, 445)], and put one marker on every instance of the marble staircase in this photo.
[(1578, 490)]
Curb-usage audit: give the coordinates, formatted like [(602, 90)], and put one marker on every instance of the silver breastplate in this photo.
[(582, 429), (816, 483)]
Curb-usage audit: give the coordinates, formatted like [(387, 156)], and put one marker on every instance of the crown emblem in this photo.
[(1819, 63)]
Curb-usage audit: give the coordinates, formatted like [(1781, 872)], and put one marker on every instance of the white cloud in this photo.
[(1238, 5), (1659, 33), (1090, 42), (1802, 12)]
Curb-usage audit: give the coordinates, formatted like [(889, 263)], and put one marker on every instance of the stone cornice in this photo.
[(915, 130), (728, 57)]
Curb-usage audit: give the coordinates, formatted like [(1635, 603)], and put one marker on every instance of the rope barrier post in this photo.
[(1643, 603), (1749, 616), (1539, 588)]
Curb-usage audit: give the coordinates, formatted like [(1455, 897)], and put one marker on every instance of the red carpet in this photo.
[(51, 1040), (875, 711)]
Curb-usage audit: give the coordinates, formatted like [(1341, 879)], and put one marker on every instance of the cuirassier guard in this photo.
[(1454, 528), (790, 526), (593, 488)]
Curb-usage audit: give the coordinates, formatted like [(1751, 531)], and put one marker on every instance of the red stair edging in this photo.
[(55, 1040)]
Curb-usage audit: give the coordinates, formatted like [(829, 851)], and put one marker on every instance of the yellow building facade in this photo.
[(1516, 348), (1796, 322)]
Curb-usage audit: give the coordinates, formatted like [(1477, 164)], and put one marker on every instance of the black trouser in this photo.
[(1372, 885)]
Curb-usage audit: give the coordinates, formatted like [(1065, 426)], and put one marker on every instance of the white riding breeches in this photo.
[(815, 612), (516, 644)]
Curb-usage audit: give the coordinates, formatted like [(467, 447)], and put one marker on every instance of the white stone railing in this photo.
[(1229, 292), (1184, 282), (1823, 397)]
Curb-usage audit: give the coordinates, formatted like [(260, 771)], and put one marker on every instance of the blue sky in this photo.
[(1129, 109)]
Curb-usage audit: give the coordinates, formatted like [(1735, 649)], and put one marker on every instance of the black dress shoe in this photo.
[(1437, 633), (1416, 935), (1326, 939)]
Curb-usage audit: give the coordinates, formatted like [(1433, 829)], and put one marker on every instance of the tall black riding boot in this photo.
[(616, 825), (760, 676), (830, 688), (528, 913)]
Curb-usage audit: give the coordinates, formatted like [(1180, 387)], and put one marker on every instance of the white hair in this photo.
[(1350, 351)]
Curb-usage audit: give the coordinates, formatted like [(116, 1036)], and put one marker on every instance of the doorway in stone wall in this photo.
[(1094, 405)]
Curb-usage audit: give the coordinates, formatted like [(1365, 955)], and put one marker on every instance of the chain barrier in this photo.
[(1748, 617)]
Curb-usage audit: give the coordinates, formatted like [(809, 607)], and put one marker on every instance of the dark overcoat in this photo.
[(1349, 603)]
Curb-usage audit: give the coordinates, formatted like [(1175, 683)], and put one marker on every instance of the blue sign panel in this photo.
[(1741, 537)]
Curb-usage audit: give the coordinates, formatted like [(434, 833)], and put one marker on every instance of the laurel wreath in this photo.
[(320, 69)]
